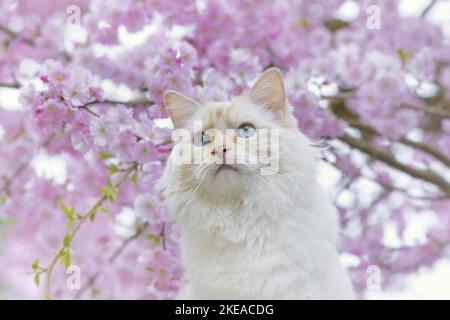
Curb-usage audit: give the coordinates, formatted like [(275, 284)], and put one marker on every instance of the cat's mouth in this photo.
[(225, 167)]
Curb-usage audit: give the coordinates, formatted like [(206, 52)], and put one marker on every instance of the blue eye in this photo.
[(246, 130), (202, 139)]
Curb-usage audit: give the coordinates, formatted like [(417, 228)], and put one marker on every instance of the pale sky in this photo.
[(427, 284)]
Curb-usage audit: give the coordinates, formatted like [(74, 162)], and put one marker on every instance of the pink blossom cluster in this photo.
[(91, 102)]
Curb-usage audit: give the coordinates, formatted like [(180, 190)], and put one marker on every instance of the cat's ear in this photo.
[(268, 91), (179, 106)]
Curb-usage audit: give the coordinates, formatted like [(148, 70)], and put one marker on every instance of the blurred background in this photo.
[(84, 134)]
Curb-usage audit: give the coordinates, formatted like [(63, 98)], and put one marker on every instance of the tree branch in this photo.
[(14, 85), (443, 113), (131, 103), (8, 31), (428, 149), (393, 187), (417, 145), (390, 160)]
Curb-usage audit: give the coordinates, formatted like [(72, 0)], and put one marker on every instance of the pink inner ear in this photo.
[(180, 107), (269, 92)]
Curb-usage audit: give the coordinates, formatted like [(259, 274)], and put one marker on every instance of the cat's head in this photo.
[(231, 147)]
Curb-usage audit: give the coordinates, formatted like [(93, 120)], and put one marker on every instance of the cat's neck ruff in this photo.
[(251, 217)]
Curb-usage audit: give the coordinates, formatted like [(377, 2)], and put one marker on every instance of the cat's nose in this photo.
[(219, 151)]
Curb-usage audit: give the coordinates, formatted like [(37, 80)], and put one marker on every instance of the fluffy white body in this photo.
[(250, 237)]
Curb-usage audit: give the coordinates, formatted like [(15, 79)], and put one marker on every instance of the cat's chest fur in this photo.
[(271, 246)]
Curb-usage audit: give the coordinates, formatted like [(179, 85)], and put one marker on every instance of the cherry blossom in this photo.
[(83, 147)]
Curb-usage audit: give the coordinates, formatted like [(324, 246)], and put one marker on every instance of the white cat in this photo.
[(247, 235)]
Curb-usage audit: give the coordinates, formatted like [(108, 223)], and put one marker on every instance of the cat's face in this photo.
[(231, 146)]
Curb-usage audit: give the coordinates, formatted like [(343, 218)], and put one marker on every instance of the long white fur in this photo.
[(246, 236)]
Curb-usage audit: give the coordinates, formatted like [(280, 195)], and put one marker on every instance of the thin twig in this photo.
[(414, 144), (14, 85), (428, 8), (428, 149), (91, 281), (437, 111), (8, 31), (14, 35), (8, 182), (85, 107), (389, 159), (131, 104), (392, 187), (48, 270), (163, 236)]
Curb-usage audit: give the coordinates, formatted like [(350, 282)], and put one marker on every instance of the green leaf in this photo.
[(92, 215), (304, 23), (69, 212), (2, 199), (48, 297), (67, 240), (35, 264), (110, 192), (106, 155), (105, 210), (154, 239), (335, 24), (69, 224), (113, 169), (135, 178), (96, 293), (37, 279), (404, 55), (66, 258)]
